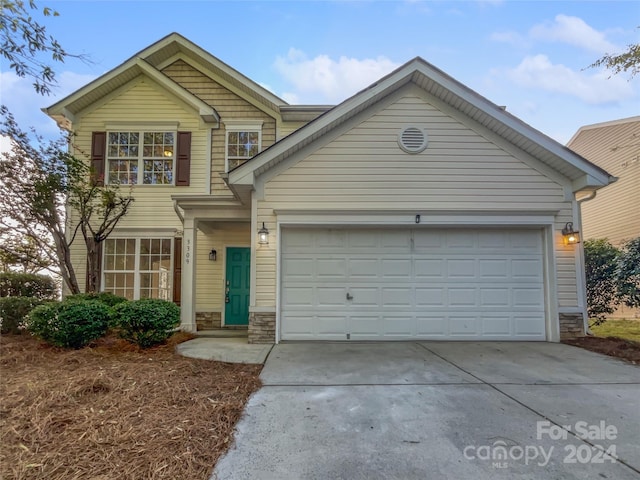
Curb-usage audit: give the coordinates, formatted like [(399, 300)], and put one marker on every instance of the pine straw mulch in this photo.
[(113, 411), (613, 346)]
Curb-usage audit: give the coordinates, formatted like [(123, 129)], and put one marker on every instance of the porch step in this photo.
[(224, 333)]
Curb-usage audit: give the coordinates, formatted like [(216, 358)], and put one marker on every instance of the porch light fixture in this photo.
[(213, 255), (570, 236), (263, 235)]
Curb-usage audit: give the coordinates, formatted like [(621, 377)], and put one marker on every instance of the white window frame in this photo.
[(140, 157), (136, 270), (240, 126)]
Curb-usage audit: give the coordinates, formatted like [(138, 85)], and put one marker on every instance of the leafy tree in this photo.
[(22, 254), (627, 61), (628, 274), (38, 185), (600, 268), (23, 41)]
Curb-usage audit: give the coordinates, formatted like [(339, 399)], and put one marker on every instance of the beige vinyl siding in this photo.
[(229, 106), (210, 275), (287, 128), (144, 101), (613, 213), (364, 168)]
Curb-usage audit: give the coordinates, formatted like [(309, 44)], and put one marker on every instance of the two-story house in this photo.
[(414, 209)]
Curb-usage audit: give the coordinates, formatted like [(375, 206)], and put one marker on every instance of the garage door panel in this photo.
[(365, 297), (461, 297), (496, 325), (330, 268), (463, 325), (495, 297), (431, 325), (396, 268), (330, 325), (364, 268), (461, 269), (398, 326), (296, 269), (527, 297), (428, 268), (493, 269), (430, 297), (299, 296), (331, 297), (527, 269), (365, 326), (528, 325), (459, 284)]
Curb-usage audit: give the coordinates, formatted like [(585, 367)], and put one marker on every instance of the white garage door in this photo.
[(422, 283)]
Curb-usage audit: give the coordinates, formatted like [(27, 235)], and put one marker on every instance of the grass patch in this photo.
[(627, 329), (112, 410)]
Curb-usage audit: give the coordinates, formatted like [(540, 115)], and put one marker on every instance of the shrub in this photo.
[(69, 324), (14, 284), (13, 311), (146, 322), (108, 298), (600, 258)]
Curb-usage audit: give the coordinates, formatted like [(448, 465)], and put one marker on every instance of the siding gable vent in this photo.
[(413, 139)]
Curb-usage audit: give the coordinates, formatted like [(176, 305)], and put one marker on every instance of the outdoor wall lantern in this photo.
[(571, 236), (263, 235), (213, 255)]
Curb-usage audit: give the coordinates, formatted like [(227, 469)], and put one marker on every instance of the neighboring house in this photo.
[(415, 209), (614, 213)]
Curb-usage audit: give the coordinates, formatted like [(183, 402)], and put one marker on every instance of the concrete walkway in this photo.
[(428, 410), (227, 348)]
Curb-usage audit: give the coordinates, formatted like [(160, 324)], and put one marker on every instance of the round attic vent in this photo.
[(413, 139)]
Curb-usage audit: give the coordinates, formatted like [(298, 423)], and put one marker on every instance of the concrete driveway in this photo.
[(430, 410)]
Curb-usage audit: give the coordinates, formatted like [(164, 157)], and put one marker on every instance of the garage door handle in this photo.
[(349, 296)]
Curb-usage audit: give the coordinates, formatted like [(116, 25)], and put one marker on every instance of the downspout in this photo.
[(591, 196)]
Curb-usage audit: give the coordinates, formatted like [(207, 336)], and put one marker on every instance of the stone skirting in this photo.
[(571, 325), (208, 320), (262, 327)]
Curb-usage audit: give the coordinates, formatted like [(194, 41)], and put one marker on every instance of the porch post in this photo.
[(188, 299)]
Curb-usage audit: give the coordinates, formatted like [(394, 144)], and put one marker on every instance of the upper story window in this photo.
[(243, 141), (141, 158)]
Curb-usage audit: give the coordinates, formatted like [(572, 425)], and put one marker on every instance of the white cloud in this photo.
[(510, 37), (573, 31), (325, 80), (538, 72)]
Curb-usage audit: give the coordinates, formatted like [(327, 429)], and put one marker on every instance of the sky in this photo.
[(530, 56)]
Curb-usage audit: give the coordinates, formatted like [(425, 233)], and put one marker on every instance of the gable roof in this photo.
[(149, 62), (583, 174)]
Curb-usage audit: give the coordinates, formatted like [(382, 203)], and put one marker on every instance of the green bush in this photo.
[(13, 311), (146, 322), (108, 298), (69, 324), (14, 284)]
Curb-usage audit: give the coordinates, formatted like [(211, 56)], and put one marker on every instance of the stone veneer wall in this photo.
[(262, 327), (571, 325), (208, 320)]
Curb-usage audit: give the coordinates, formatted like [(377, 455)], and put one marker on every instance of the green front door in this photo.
[(236, 310)]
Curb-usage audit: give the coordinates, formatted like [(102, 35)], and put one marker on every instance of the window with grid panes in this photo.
[(141, 158), (138, 267), (241, 146)]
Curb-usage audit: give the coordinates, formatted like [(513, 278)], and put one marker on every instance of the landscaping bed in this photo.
[(112, 410), (612, 346)]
